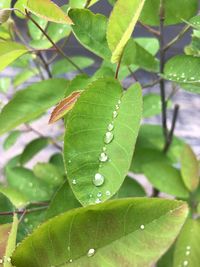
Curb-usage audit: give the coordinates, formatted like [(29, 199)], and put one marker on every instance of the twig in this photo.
[(177, 38), (171, 133), (46, 66), (7, 213), (148, 85), (149, 29), (118, 67), (52, 42)]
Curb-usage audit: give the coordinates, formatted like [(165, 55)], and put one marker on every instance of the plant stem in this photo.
[(149, 29), (147, 85), (171, 133), (7, 213), (46, 66), (177, 38), (118, 67), (162, 64), (52, 42)]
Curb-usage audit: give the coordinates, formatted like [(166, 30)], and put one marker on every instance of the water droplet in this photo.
[(103, 157), (98, 179), (110, 127), (104, 149), (99, 194), (70, 260), (90, 195), (108, 137), (26, 220), (119, 102), (74, 182), (8, 259), (185, 263), (187, 253), (30, 184), (61, 31), (91, 252), (188, 247), (117, 107), (142, 227), (115, 114), (1, 261), (98, 201), (108, 193), (69, 161)]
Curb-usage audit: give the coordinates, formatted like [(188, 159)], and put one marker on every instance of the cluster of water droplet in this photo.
[(99, 179), (5, 259), (181, 78)]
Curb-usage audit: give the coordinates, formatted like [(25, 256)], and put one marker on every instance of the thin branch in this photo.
[(171, 133), (52, 42), (149, 29), (118, 67), (148, 85), (177, 38), (7, 213), (46, 66)]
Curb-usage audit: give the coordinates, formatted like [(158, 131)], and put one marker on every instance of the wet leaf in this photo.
[(135, 222), (100, 120), (195, 22), (64, 106), (120, 27)]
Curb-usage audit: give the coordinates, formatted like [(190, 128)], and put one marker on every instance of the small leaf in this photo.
[(5, 14), (187, 246), (5, 206), (135, 222), (34, 147), (166, 179), (9, 52), (63, 195), (48, 10), (120, 27), (189, 168), (100, 134), (24, 76), (63, 66), (64, 106), (11, 243), (11, 139), (31, 102), (131, 188), (90, 30), (4, 84)]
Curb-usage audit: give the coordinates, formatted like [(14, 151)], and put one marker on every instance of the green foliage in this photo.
[(100, 151)]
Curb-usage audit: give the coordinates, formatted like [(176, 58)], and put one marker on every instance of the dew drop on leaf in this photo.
[(115, 114), (74, 182), (98, 201), (142, 227), (103, 157), (117, 107), (108, 193), (185, 263), (98, 179), (91, 252), (108, 137), (99, 194), (110, 127)]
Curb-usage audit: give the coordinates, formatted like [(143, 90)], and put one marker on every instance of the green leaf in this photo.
[(33, 148), (175, 70), (4, 235), (89, 131), (174, 12), (5, 206), (120, 27), (11, 139), (35, 32), (63, 195), (152, 105), (187, 246), (15, 197), (195, 22), (131, 188), (48, 173), (31, 102), (63, 66), (28, 184), (57, 160), (81, 3), (11, 243), (90, 30), (4, 15), (135, 222), (167, 258), (137, 55), (9, 52), (4, 84), (189, 168), (24, 76), (166, 178), (20, 4), (150, 44), (5, 4), (48, 10)]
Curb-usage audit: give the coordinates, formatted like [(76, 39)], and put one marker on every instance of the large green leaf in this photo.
[(31, 102), (166, 179), (90, 30), (100, 138), (175, 13), (116, 233), (187, 246), (48, 10), (63, 195), (34, 147), (176, 71), (120, 27), (9, 52), (189, 168)]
